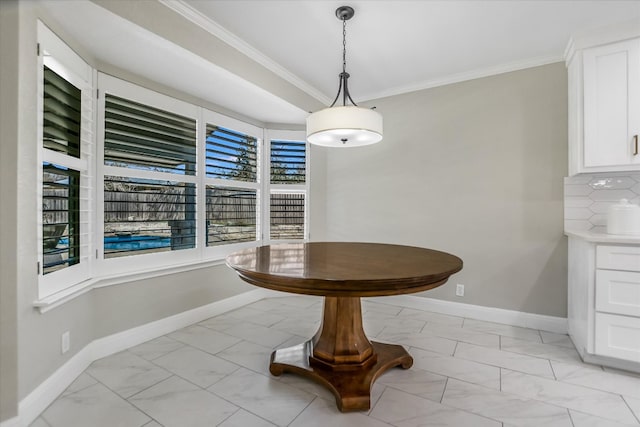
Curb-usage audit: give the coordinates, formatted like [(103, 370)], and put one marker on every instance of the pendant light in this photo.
[(346, 125)]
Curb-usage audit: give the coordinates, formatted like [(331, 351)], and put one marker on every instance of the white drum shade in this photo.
[(346, 126)]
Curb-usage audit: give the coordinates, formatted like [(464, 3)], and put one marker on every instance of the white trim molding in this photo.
[(478, 312), (464, 76), (39, 399), (66, 295)]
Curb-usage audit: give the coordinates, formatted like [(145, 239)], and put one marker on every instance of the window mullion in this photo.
[(138, 173), (266, 187), (201, 197)]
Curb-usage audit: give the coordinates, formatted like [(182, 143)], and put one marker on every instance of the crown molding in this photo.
[(569, 51), (237, 43), (468, 75), (601, 35)]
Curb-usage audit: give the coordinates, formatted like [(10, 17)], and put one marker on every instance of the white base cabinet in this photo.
[(604, 302)]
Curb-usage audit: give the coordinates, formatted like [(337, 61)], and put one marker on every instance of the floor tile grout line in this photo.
[(553, 371), (637, 417), (164, 354), (197, 385), (238, 406), (468, 411), (136, 406), (80, 389), (126, 399), (231, 415), (44, 420), (304, 409), (571, 418), (444, 390), (151, 386)]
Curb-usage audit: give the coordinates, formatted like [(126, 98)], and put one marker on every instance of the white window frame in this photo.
[(269, 188), (139, 262), (217, 119), (93, 269), (61, 59)]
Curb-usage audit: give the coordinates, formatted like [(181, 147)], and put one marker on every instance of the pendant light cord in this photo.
[(344, 45), (343, 88)]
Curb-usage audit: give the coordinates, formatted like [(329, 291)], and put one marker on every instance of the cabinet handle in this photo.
[(635, 145)]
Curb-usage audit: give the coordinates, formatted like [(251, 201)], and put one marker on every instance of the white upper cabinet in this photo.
[(611, 107), (604, 99)]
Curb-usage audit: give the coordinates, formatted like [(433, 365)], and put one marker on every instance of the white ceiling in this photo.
[(399, 46), (392, 46)]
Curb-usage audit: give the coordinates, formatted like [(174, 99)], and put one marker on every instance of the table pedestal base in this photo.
[(352, 388)]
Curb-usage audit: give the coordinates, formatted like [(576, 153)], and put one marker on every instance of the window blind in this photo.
[(231, 155), (142, 137), (288, 162), (62, 114)]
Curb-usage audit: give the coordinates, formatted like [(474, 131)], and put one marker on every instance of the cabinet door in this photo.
[(618, 336), (612, 105)]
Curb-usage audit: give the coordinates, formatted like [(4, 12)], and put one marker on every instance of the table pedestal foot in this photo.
[(351, 387)]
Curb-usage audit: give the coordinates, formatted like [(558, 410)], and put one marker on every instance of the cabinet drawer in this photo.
[(618, 257), (618, 292), (618, 336)]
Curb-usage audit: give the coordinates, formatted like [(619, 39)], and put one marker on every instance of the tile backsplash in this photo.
[(588, 197)]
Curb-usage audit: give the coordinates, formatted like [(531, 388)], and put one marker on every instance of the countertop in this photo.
[(599, 237)]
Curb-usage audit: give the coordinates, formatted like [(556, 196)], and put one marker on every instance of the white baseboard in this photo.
[(39, 399), (478, 312), (13, 422)]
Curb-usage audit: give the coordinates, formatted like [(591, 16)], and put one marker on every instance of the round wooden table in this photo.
[(339, 355)]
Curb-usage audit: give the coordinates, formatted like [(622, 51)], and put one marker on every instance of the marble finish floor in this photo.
[(466, 373)]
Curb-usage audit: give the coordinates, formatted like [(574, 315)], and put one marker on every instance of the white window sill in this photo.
[(55, 300)]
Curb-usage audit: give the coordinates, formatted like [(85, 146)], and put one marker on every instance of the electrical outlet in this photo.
[(65, 342), (459, 290)]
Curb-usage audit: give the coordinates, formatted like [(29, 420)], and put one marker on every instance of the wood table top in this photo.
[(344, 268)]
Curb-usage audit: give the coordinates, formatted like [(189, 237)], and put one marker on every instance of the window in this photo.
[(132, 180), (143, 215), (65, 114), (60, 217), (231, 215), (232, 161), (287, 186), (148, 149)]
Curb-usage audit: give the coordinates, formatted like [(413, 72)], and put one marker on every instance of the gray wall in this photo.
[(475, 169), (8, 212)]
